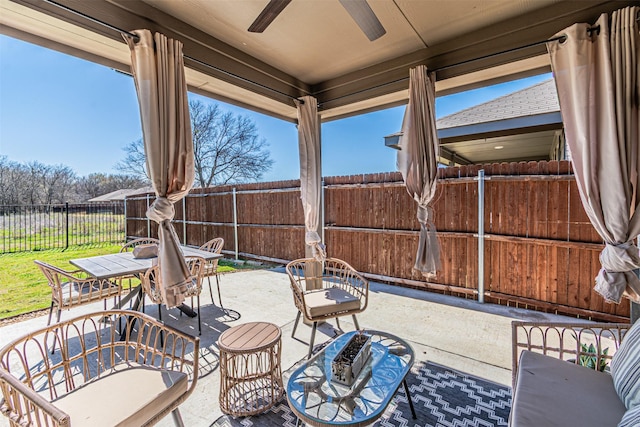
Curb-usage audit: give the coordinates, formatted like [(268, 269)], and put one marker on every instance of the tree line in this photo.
[(228, 150), (36, 183)]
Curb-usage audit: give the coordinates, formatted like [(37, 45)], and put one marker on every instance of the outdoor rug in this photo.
[(441, 396)]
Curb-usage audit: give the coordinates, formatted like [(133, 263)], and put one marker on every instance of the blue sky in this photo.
[(58, 109)]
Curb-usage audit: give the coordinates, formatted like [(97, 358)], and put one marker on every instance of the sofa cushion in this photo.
[(329, 300), (552, 392), (128, 395), (625, 367), (631, 418)]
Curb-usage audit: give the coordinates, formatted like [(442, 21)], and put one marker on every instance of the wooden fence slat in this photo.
[(539, 245)]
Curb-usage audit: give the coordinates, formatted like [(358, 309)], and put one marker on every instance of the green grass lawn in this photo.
[(23, 288)]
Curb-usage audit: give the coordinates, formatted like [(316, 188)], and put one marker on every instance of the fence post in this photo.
[(481, 235), (125, 219), (184, 220), (66, 220), (322, 211), (235, 221), (148, 220)]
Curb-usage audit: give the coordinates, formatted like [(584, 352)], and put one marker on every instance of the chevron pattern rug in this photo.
[(441, 396)]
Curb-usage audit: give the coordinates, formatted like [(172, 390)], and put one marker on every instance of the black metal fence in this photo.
[(39, 227)]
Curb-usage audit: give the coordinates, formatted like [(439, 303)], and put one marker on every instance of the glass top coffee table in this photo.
[(318, 401)]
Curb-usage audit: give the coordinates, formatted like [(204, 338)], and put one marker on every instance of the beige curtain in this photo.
[(158, 71), (310, 172), (597, 76), (418, 163)]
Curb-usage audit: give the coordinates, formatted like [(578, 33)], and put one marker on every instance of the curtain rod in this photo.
[(136, 39)]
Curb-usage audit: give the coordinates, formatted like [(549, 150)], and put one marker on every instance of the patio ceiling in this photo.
[(313, 47)]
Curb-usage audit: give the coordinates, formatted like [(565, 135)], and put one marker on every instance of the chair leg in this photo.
[(199, 318), (355, 321), (53, 348), (50, 313), (295, 325), (210, 291), (313, 337), (219, 295), (160, 319), (177, 418), (338, 324)]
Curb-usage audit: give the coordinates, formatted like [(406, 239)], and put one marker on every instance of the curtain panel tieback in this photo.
[(616, 275), (312, 238), (161, 210)]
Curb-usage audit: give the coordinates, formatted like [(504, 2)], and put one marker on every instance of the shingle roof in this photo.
[(537, 99), (120, 194)]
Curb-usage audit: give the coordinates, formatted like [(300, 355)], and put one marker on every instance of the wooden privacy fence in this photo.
[(540, 250)]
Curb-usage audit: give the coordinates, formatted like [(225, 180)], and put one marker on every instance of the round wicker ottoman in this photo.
[(250, 372)]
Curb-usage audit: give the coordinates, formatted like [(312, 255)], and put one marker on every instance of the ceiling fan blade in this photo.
[(362, 13), (267, 15)]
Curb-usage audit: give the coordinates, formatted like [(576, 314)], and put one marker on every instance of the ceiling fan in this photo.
[(359, 10)]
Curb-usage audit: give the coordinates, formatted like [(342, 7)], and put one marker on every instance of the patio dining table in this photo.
[(124, 264)]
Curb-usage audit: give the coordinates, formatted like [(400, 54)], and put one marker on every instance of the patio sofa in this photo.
[(100, 369), (572, 375)]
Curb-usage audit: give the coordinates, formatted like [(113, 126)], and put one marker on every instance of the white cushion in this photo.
[(625, 367), (129, 395), (554, 393), (327, 301)]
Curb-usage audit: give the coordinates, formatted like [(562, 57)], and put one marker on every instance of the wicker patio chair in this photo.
[(194, 287), (73, 288), (98, 377), (211, 268), (131, 245), (337, 290)]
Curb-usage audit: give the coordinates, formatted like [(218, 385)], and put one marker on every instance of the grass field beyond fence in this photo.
[(23, 287), (42, 227)]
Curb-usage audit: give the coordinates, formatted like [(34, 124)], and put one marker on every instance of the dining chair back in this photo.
[(151, 286), (211, 268), (74, 288)]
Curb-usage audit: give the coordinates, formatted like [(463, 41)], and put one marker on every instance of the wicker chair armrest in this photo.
[(24, 407), (579, 343), (78, 278), (77, 273), (298, 295)]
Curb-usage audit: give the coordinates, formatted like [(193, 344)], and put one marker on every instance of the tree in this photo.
[(134, 163), (58, 184), (227, 148), (97, 184)]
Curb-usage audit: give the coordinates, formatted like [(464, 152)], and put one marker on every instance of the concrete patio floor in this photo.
[(461, 334)]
